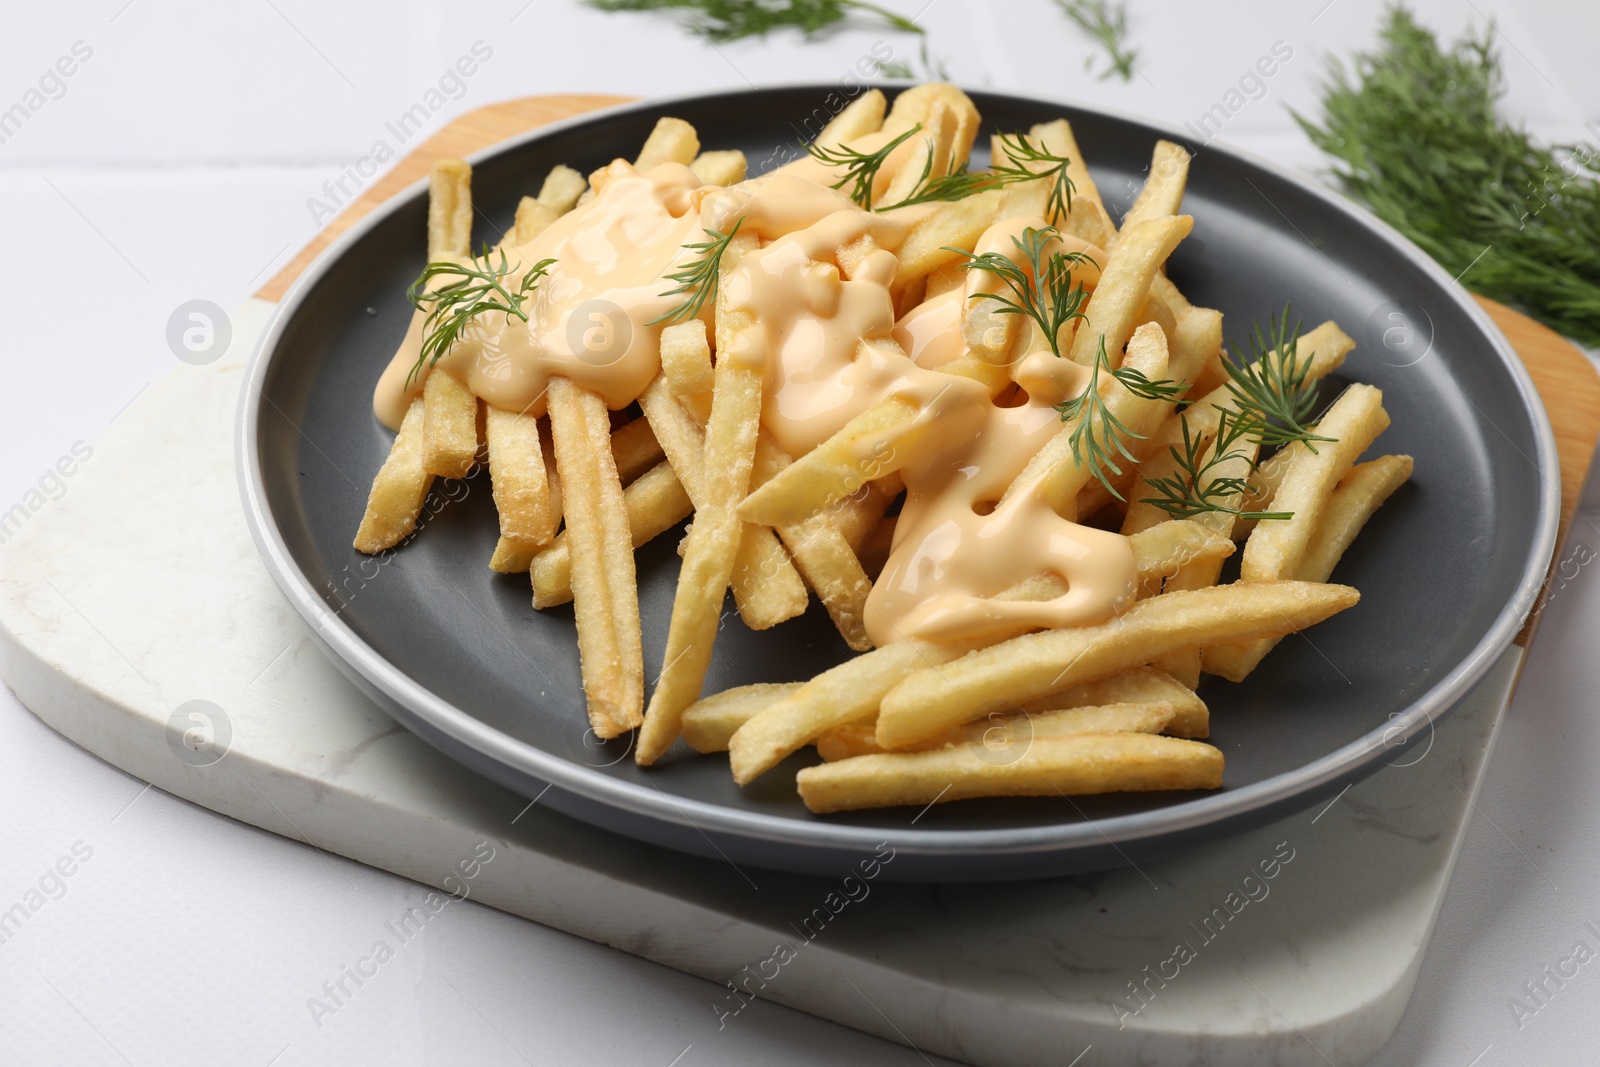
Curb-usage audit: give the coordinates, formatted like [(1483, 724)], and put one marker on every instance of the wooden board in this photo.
[(1565, 378)]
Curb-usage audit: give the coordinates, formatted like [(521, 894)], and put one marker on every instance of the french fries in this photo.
[(1037, 683), (1071, 764)]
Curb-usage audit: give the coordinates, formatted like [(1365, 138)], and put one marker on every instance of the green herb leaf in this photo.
[(1414, 132), (1108, 24), (1273, 385), (1043, 290), (1100, 437), (1197, 488), (860, 167), (729, 20), (480, 287), (1020, 150), (699, 278)]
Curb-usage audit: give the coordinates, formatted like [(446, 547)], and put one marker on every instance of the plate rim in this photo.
[(411, 698)]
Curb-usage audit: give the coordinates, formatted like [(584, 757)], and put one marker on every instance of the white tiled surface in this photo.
[(177, 164)]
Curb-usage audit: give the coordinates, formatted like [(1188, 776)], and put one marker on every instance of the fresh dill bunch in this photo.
[(1272, 386), (860, 167), (1043, 290), (730, 20), (698, 278), (1108, 24), (480, 286), (1099, 436), (1197, 487), (1414, 132), (1020, 150)]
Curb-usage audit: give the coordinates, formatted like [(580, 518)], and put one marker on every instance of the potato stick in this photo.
[(713, 542), (999, 732), (398, 490), (720, 168), (1032, 199), (1087, 219), (839, 695), (933, 147), (766, 586), (1322, 351), (1276, 548), (1162, 194), (1069, 765), (672, 141), (655, 502), (709, 723), (1161, 550), (1112, 310), (1141, 685), (686, 358), (561, 189), (634, 449), (860, 515), (1263, 486), (605, 592), (449, 210), (518, 478), (1054, 470), (1358, 495), (918, 104), (873, 551), (957, 225), (869, 446), (861, 116), (512, 556), (1161, 286), (1036, 665), (450, 425), (823, 556)]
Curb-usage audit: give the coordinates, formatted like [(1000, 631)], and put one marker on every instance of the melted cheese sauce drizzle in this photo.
[(831, 349)]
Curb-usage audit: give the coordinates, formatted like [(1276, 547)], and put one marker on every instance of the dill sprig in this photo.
[(1020, 150), (1100, 437), (1108, 24), (1199, 486), (480, 287), (1043, 290), (1414, 131), (698, 278), (730, 20), (1273, 386), (861, 168)]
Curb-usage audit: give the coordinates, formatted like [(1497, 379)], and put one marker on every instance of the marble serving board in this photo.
[(137, 620)]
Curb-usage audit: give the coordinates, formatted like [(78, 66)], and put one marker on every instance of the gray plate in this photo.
[(1448, 568)]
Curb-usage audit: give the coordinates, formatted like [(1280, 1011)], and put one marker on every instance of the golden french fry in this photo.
[(605, 590), (1357, 496), (672, 141), (766, 585), (450, 426), (398, 490), (519, 479), (561, 189), (957, 225), (1160, 551), (1054, 470), (824, 557), (1113, 310), (713, 542), (931, 156), (1141, 685), (655, 502), (1035, 665), (1069, 765), (532, 219), (1162, 194), (449, 210), (634, 449), (709, 723), (1001, 732), (686, 358), (840, 695), (861, 116), (720, 168), (1276, 548), (1032, 199)]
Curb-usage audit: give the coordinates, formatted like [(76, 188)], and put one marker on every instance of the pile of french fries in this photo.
[(1087, 709)]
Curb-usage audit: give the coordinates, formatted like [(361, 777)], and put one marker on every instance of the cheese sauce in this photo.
[(831, 349)]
